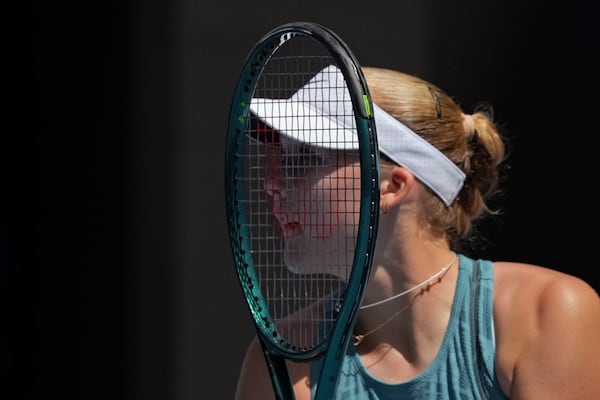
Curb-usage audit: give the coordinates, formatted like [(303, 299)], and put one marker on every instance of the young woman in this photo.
[(434, 323)]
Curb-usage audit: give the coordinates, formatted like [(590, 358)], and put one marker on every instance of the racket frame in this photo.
[(333, 348)]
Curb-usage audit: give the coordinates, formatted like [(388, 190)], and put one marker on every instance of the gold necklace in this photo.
[(420, 285), (359, 338)]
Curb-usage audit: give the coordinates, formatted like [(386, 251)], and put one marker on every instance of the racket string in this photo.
[(291, 221)]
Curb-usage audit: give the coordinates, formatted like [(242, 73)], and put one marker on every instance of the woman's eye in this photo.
[(311, 160), (304, 161)]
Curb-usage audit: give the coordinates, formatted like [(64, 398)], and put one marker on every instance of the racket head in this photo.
[(301, 310)]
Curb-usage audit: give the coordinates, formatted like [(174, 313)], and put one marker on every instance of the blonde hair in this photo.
[(472, 142)]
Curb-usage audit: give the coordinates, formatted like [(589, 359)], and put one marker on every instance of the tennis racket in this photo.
[(302, 197)]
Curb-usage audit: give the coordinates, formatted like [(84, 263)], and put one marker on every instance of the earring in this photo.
[(385, 208)]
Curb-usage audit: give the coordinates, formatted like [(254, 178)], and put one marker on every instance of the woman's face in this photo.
[(314, 197)]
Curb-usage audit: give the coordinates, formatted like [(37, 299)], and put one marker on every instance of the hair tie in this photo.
[(468, 124)]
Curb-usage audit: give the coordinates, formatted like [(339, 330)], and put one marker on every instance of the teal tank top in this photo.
[(464, 367)]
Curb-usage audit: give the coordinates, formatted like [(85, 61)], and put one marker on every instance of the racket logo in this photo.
[(285, 37), (287, 190)]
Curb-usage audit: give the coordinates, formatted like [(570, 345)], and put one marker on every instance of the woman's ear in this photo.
[(395, 187)]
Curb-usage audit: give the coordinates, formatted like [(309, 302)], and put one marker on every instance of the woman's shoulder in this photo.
[(538, 293), (541, 316), (516, 282)]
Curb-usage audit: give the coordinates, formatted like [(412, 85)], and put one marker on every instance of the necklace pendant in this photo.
[(358, 339)]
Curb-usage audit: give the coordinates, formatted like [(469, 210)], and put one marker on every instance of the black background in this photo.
[(116, 277)]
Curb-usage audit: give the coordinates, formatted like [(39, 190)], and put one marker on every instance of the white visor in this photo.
[(310, 117)]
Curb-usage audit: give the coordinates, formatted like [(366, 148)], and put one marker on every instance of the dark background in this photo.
[(117, 281)]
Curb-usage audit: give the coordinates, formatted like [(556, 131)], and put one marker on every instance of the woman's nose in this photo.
[(275, 196)]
